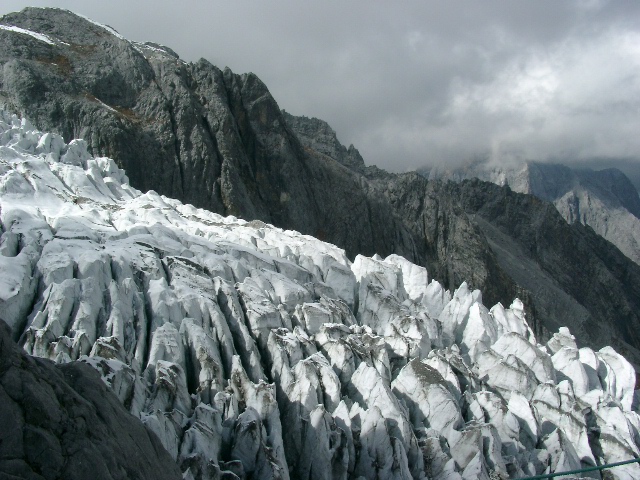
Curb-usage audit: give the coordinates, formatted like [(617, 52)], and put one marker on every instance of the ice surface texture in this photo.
[(251, 351)]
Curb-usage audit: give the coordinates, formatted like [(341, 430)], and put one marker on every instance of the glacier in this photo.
[(256, 352)]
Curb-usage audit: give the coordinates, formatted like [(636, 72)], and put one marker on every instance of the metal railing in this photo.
[(590, 469)]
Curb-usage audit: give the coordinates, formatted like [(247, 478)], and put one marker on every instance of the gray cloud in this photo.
[(423, 82)]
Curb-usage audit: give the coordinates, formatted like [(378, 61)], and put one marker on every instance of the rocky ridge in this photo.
[(221, 334), (606, 200)]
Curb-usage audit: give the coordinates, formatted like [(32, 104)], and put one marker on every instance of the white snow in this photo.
[(24, 31), (186, 313), (105, 27)]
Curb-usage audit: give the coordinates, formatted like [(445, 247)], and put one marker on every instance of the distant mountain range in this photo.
[(606, 200)]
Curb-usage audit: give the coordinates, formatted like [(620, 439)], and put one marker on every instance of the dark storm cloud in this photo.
[(415, 83)]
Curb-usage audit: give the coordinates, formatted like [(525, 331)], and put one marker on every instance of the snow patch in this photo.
[(38, 36)]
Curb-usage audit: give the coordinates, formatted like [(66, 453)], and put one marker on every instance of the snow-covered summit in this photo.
[(264, 353)]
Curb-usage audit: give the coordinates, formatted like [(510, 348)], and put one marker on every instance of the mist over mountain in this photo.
[(235, 272), (629, 167), (605, 199)]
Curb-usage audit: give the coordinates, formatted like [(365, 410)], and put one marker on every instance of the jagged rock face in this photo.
[(61, 421), (318, 136), (606, 200), (552, 182), (572, 257), (254, 352)]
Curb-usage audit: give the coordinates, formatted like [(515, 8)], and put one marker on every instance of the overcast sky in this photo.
[(419, 83)]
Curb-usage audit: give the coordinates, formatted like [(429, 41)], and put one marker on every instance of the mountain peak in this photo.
[(317, 135), (59, 23)]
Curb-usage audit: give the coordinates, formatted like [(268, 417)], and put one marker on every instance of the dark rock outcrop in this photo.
[(453, 248), (61, 421)]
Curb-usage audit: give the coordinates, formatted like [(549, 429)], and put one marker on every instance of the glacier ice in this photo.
[(255, 352)]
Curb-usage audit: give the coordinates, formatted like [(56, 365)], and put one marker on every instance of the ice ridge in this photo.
[(256, 352)]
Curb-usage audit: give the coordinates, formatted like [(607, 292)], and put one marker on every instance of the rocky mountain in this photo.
[(606, 200), (253, 352), (210, 137), (219, 141)]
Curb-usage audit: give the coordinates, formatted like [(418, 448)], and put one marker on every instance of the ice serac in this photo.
[(255, 352)]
